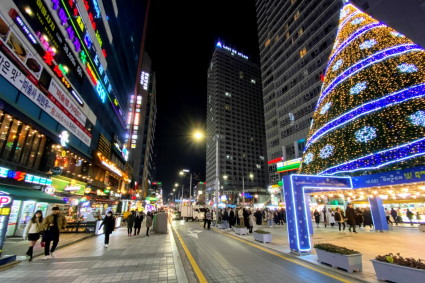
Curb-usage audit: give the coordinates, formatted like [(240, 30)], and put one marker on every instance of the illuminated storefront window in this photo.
[(19, 143)]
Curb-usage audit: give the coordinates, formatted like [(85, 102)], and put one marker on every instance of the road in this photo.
[(222, 258)]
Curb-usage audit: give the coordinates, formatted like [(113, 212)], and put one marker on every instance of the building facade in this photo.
[(63, 105), (235, 116)]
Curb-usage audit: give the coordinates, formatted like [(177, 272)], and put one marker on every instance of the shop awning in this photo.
[(30, 194)]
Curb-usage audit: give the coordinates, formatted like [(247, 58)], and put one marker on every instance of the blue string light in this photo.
[(325, 108), (354, 36), (308, 158), (391, 99), (371, 60), (337, 65), (380, 159)]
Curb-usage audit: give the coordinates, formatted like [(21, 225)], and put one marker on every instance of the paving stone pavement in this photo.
[(127, 259)]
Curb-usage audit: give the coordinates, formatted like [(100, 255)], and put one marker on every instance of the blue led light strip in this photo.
[(372, 59), (379, 159), (355, 35), (372, 106)]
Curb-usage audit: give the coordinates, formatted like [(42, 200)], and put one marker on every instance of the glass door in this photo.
[(27, 211), (13, 218)]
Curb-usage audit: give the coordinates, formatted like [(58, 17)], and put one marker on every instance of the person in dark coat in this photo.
[(245, 218), (316, 215), (359, 217), (367, 218), (108, 224), (137, 223), (351, 215), (231, 217), (130, 222), (225, 218), (258, 217)]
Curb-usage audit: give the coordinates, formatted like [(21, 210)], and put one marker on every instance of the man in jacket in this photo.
[(53, 224), (351, 215)]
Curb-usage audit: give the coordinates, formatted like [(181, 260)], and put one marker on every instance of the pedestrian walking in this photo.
[(316, 215), (108, 224), (208, 217), (270, 216), (137, 223), (130, 222), (387, 216), (394, 215), (330, 216), (340, 219), (32, 231), (410, 215), (323, 218), (53, 225), (148, 223), (367, 218), (351, 215)]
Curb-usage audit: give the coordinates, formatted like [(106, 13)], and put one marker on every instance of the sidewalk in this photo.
[(407, 242), (18, 246), (127, 259)]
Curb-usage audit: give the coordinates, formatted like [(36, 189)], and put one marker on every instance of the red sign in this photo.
[(275, 160)]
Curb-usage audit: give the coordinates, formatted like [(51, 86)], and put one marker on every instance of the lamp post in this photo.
[(183, 172), (199, 135), (251, 176)]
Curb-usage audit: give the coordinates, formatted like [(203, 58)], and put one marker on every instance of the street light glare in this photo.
[(198, 135)]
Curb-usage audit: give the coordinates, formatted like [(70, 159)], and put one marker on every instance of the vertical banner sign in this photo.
[(5, 205)]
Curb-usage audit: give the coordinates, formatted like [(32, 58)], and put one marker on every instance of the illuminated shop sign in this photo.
[(56, 110), (137, 104), (112, 167), (289, 165), (23, 176), (48, 53), (144, 80), (275, 160), (5, 206), (231, 50), (45, 24)]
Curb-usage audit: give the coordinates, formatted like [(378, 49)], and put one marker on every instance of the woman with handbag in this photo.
[(32, 231)]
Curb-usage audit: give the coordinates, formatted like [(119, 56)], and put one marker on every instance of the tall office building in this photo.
[(295, 39), (235, 114)]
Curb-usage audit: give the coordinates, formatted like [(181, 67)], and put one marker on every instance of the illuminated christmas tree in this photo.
[(371, 111)]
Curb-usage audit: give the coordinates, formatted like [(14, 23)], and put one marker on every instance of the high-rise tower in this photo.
[(235, 115)]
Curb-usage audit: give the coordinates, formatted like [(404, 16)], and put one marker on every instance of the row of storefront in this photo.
[(39, 172)]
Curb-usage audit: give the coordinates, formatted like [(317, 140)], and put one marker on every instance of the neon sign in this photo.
[(23, 176), (231, 50), (144, 80)]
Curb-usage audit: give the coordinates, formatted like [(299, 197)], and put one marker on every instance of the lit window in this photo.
[(300, 31), (228, 94), (303, 52), (253, 81), (241, 74), (297, 15), (267, 43), (258, 166)]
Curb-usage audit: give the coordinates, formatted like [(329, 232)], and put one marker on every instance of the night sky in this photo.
[(180, 40)]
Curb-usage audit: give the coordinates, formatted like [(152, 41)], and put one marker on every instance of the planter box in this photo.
[(221, 226), (422, 228), (265, 238), (241, 231), (397, 273), (347, 262)]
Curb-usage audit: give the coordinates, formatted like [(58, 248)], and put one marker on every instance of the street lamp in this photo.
[(199, 135), (251, 176), (182, 173)]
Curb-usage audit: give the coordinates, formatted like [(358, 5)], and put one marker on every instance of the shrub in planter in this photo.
[(399, 269), (337, 256), (422, 227), (262, 236)]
